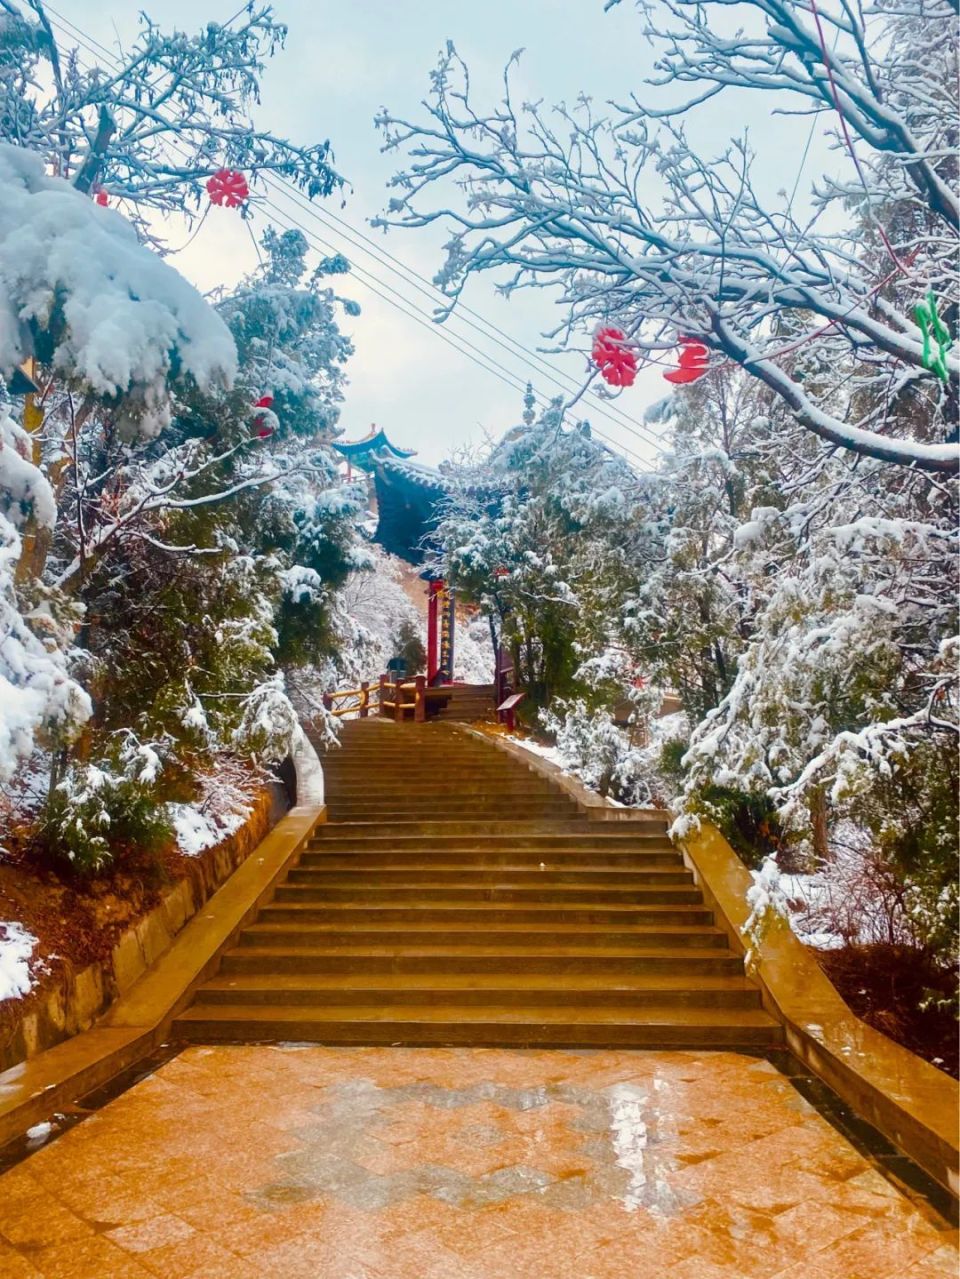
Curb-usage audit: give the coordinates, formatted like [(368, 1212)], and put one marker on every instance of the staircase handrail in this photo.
[(360, 707)]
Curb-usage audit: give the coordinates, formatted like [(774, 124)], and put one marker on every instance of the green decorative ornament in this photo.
[(936, 338)]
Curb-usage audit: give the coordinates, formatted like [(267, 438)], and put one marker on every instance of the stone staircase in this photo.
[(468, 702), (456, 897)]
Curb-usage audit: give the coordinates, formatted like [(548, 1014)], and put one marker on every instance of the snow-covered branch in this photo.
[(569, 200)]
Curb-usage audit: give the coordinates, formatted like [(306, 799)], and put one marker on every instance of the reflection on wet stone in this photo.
[(316, 1163), (622, 1148)]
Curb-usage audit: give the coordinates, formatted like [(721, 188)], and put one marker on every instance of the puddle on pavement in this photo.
[(623, 1148), (620, 1145)]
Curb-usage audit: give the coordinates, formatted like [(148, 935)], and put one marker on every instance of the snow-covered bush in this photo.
[(602, 755), (16, 949), (768, 907), (81, 291), (269, 725), (99, 811), (222, 802)]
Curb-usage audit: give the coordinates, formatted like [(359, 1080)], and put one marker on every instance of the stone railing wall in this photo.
[(70, 1000)]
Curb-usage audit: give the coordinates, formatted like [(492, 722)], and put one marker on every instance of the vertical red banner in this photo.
[(447, 629), (434, 596)]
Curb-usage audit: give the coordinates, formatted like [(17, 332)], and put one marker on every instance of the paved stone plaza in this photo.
[(389, 1163)]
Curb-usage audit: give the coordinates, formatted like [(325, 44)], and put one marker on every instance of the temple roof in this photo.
[(408, 493), (371, 449), (408, 502)]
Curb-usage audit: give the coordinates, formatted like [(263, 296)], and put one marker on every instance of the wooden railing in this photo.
[(409, 698), (398, 700), (355, 701)]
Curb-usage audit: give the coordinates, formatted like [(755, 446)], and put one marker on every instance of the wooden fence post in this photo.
[(383, 687), (420, 705), (364, 698)]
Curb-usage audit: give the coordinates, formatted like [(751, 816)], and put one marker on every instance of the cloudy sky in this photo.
[(345, 60)]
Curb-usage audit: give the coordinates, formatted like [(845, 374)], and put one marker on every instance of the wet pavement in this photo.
[(391, 1163)]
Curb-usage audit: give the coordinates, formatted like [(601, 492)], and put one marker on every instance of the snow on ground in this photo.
[(643, 761), (552, 753), (841, 902), (16, 947)]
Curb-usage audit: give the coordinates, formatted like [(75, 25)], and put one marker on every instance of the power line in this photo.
[(353, 235), (563, 380), (468, 350), (453, 339)]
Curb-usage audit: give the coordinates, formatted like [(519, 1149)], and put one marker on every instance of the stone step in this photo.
[(470, 988), (513, 801), (456, 896), (667, 886), (492, 914), (583, 846), (432, 832), (469, 957), (616, 865), (410, 749), (415, 757), (412, 746), (437, 773), (382, 789), (436, 769), (534, 1025), (413, 754), (468, 809), (556, 936)]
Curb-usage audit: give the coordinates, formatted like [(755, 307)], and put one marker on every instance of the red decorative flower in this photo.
[(229, 187), (693, 362), (100, 197), (259, 419), (617, 365)]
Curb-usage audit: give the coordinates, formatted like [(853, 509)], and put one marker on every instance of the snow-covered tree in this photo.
[(170, 543), (544, 534), (38, 697), (208, 558), (150, 124), (689, 617), (115, 325), (616, 211), (801, 595)]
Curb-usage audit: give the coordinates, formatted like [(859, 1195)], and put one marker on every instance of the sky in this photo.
[(345, 61)]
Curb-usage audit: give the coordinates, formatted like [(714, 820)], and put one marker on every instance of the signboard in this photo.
[(447, 627)]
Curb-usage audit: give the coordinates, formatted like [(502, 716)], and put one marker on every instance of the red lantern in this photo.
[(259, 419), (100, 197), (617, 365), (693, 362), (229, 187)]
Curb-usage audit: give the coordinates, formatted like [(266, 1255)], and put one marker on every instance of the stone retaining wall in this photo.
[(72, 1000)]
